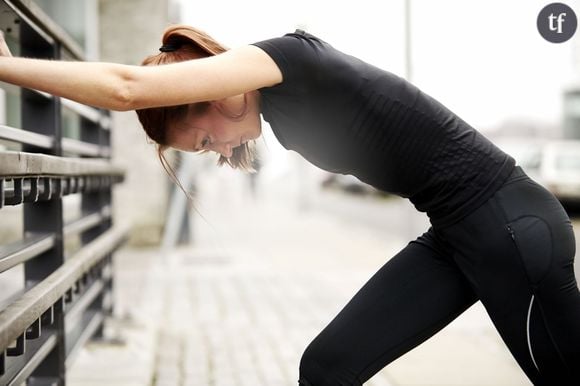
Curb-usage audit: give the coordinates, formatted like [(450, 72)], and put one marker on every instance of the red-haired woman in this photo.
[(496, 236)]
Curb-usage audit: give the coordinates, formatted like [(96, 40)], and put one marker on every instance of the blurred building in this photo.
[(571, 122), (125, 32), (130, 30)]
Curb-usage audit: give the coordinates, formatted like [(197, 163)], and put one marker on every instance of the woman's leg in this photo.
[(409, 299), (517, 250)]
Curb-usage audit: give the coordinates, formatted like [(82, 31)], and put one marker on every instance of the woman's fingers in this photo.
[(4, 50)]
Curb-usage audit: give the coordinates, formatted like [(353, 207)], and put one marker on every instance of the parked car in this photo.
[(526, 152), (553, 163), (560, 170)]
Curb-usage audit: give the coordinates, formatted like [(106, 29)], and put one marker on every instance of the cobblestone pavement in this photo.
[(241, 313), (239, 306)]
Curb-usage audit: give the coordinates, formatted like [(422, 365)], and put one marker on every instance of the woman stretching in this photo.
[(496, 235)]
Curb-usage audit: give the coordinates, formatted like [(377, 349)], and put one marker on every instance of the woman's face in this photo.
[(208, 127)]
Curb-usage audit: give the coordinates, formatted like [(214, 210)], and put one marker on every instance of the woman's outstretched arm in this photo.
[(125, 87), (96, 84)]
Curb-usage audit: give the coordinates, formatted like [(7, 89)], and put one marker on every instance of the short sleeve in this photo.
[(295, 54)]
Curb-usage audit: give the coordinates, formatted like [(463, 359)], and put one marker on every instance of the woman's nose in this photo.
[(224, 149)]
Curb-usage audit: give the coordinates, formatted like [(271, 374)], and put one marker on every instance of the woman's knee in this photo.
[(325, 367), (310, 371)]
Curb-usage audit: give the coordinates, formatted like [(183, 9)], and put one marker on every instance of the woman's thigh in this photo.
[(414, 295), (517, 251)]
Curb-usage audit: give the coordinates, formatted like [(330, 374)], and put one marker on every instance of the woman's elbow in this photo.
[(134, 90), (124, 97), (121, 101)]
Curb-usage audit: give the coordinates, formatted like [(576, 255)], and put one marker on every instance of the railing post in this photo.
[(43, 116), (92, 132)]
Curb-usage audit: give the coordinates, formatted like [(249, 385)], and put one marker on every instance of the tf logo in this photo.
[(557, 22)]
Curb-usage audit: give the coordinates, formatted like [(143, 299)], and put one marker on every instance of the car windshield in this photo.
[(568, 161), (526, 156)]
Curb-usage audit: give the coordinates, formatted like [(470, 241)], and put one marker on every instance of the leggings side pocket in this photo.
[(533, 240)]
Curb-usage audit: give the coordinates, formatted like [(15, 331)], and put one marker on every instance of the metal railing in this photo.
[(66, 295)]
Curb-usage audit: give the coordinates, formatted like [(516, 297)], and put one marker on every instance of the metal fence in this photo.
[(66, 292)]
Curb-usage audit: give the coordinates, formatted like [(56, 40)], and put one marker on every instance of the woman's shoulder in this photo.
[(296, 54), (298, 40)]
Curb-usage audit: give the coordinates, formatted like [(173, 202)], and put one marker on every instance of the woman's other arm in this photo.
[(124, 87), (233, 72)]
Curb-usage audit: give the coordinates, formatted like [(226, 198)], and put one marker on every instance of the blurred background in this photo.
[(231, 291)]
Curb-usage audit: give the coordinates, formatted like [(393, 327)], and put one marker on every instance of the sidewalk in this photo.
[(240, 305)]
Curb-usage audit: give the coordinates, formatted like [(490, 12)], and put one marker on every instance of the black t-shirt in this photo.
[(347, 116)]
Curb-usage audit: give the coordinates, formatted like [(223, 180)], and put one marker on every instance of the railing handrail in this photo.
[(26, 137), (21, 164), (19, 315), (22, 250), (90, 113), (28, 9), (83, 148)]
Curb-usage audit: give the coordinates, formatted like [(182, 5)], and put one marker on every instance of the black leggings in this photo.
[(515, 254)]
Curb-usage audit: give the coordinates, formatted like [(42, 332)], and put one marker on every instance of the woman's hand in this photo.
[(4, 50)]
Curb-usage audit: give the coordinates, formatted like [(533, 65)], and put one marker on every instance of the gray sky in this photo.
[(483, 59)]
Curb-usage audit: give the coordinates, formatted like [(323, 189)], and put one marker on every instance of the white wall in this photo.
[(130, 30)]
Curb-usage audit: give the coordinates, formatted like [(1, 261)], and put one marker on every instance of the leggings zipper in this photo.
[(528, 320)]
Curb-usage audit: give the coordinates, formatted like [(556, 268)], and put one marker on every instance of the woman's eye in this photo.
[(204, 142)]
